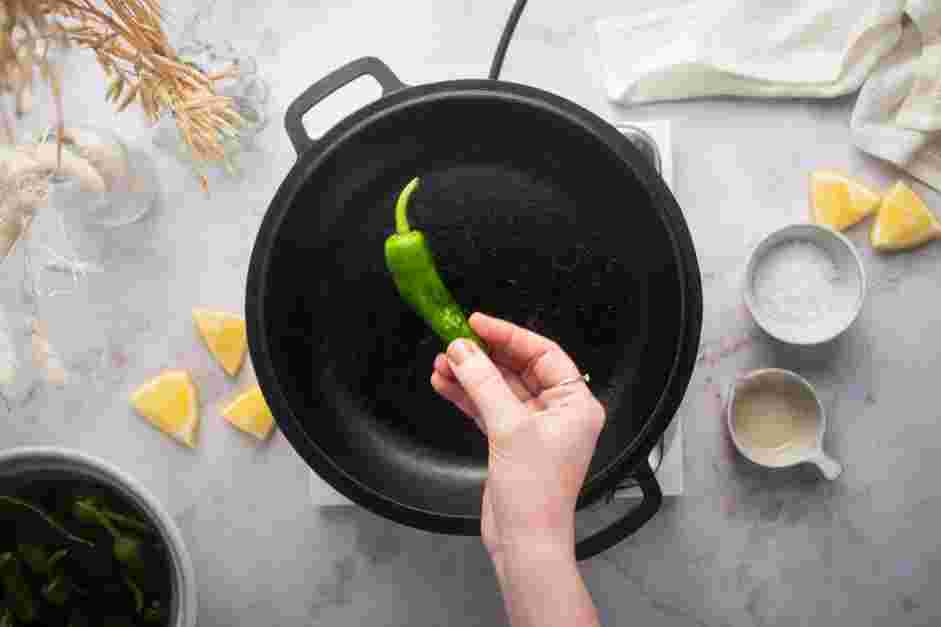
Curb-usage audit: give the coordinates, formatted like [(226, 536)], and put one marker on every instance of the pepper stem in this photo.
[(401, 205)]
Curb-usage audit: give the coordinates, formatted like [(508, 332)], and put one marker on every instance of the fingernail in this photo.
[(460, 350)]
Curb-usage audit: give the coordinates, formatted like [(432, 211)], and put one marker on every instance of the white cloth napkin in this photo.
[(889, 50)]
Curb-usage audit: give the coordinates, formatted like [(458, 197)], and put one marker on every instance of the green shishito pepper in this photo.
[(409, 260)]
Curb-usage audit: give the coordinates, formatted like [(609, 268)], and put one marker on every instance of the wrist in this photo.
[(533, 552), (541, 584)]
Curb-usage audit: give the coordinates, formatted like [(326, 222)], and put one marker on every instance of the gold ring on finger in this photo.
[(582, 377)]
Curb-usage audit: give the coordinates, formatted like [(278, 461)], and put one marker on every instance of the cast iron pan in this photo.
[(538, 212)]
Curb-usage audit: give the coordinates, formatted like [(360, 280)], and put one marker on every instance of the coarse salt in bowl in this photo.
[(805, 284)]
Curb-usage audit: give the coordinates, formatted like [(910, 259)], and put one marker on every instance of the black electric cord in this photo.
[(505, 38)]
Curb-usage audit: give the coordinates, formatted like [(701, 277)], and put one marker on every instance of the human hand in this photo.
[(541, 436)]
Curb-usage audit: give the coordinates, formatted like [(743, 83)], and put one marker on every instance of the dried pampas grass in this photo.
[(128, 39)]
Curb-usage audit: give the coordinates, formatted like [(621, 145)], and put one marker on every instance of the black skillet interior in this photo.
[(531, 219)]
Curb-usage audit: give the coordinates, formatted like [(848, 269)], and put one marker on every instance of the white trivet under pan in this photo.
[(670, 467)]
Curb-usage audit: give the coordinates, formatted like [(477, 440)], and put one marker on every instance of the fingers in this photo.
[(512, 379), (446, 384), (452, 391), (443, 368), (511, 345), (548, 370), (480, 379), (540, 361), (520, 390)]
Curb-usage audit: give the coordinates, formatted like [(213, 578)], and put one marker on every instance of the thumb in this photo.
[(483, 384)]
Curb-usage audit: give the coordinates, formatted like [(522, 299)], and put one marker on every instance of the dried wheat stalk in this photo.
[(128, 39)]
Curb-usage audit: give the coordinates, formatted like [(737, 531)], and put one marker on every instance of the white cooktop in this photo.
[(670, 471)]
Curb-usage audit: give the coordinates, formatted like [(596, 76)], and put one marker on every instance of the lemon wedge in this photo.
[(904, 221), (838, 201), (250, 413), (225, 336), (171, 404)]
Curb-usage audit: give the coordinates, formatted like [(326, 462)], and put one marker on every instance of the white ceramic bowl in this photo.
[(807, 328), (23, 463)]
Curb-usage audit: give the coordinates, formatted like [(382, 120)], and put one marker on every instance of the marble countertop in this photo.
[(741, 547)]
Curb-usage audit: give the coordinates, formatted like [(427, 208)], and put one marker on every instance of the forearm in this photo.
[(543, 588)]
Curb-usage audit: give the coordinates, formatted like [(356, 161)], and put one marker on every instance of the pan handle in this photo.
[(329, 84), (632, 520)]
